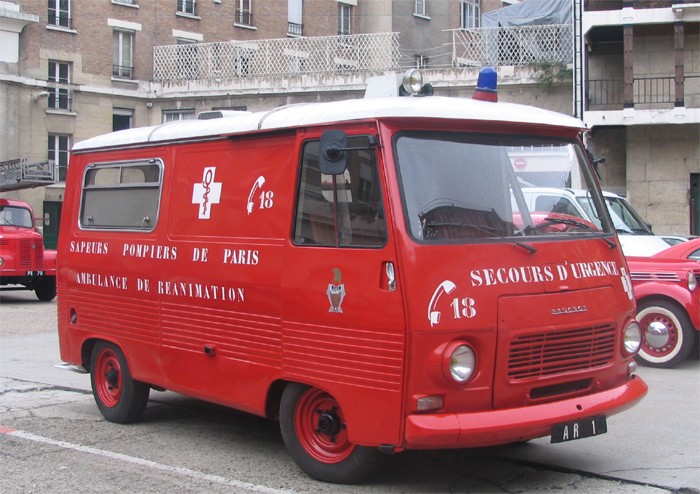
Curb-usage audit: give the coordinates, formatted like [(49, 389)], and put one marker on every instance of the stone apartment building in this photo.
[(642, 103), (73, 69)]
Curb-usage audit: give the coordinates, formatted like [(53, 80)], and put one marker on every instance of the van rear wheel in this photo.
[(314, 432), (119, 397)]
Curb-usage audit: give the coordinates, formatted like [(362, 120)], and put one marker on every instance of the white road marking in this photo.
[(146, 463)]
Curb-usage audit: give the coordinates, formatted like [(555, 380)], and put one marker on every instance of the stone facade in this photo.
[(652, 141)]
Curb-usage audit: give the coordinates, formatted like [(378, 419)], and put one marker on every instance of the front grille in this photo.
[(31, 254), (555, 352)]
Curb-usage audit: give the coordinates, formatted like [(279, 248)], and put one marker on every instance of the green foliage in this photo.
[(548, 73)]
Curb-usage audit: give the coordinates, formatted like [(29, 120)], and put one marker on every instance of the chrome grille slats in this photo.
[(557, 351)]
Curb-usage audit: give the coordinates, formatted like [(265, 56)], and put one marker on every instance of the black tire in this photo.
[(119, 398), (314, 433), (45, 290), (672, 338)]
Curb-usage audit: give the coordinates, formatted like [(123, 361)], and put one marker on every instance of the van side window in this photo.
[(121, 195), (341, 211)]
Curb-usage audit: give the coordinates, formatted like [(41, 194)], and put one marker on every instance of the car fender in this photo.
[(677, 292)]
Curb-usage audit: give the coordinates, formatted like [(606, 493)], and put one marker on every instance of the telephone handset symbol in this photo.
[(258, 183), (433, 314)]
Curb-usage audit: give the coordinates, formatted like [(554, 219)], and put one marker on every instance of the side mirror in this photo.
[(333, 156), (45, 220)]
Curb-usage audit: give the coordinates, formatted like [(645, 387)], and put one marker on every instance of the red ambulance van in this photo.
[(366, 272)]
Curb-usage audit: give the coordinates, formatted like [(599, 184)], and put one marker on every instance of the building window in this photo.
[(344, 15), (244, 12), (59, 75), (128, 2), (470, 14), (175, 115), (122, 118), (186, 7), (420, 8), (295, 16), (123, 54), (59, 13), (59, 146)]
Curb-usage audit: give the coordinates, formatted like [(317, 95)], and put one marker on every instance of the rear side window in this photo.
[(121, 195)]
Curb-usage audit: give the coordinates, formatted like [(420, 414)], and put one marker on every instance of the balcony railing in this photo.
[(272, 58), (607, 94), (295, 29), (60, 20), (244, 17), (650, 90), (60, 99), (123, 71), (518, 45)]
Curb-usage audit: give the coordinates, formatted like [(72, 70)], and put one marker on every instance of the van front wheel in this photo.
[(314, 432), (119, 397)]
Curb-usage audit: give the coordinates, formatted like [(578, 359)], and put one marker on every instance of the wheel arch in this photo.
[(654, 297), (88, 347), (274, 398)]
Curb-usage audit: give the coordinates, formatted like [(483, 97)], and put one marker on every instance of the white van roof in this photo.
[(341, 111)]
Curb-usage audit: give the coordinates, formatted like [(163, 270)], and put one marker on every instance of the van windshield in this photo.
[(461, 187)]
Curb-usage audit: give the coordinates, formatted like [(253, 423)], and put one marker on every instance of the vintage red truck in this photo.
[(24, 263), (367, 272)]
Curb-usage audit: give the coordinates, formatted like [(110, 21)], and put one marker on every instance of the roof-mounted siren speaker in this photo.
[(486, 85)]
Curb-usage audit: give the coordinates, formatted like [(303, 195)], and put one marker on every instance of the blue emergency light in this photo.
[(487, 85)]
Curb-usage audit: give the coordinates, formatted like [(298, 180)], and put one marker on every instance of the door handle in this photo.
[(390, 276)]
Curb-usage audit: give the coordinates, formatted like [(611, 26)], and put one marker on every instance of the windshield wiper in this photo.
[(551, 220), (489, 230), (480, 228)]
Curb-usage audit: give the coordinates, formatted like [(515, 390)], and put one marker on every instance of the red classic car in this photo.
[(668, 303)]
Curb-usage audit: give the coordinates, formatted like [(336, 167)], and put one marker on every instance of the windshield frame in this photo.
[(506, 141)]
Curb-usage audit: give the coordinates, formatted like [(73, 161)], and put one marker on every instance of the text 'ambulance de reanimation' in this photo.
[(367, 272)]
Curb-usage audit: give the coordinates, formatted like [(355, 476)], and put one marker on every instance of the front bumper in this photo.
[(493, 427)]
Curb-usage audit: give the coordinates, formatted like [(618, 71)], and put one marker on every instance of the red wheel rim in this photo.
[(320, 427), (670, 345), (108, 378)]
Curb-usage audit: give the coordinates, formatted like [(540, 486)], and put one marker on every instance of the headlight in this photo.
[(1, 262), (462, 363), (632, 338), (692, 282)]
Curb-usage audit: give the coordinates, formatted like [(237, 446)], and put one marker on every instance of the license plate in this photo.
[(35, 273), (578, 429)]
